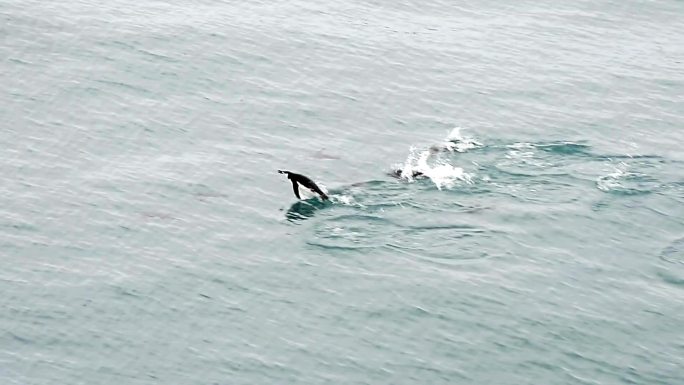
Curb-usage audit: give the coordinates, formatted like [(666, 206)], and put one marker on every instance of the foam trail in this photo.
[(345, 199)]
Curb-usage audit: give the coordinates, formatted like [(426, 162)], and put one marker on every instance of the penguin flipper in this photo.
[(295, 188)]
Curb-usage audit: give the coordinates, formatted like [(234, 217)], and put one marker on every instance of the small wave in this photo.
[(564, 148), (352, 232), (674, 253), (672, 272), (624, 182), (557, 147)]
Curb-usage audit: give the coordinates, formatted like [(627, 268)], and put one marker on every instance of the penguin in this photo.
[(398, 173), (298, 179)]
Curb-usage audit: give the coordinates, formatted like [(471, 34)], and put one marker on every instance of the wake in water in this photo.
[(431, 164), (428, 163), (623, 181)]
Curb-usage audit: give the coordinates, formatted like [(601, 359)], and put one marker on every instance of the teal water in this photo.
[(146, 237)]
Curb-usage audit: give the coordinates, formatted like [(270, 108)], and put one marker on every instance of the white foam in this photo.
[(436, 167), (455, 141), (612, 181), (440, 171), (446, 175), (346, 200)]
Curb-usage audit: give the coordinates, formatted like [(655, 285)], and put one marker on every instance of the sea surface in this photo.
[(146, 237)]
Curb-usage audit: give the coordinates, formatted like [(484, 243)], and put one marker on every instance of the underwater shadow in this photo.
[(303, 210)]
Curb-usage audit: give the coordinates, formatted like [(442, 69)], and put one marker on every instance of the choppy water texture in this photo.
[(146, 237)]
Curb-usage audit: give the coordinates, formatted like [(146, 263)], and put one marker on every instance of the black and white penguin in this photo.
[(299, 179)]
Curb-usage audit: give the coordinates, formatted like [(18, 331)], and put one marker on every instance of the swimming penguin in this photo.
[(298, 179), (399, 173)]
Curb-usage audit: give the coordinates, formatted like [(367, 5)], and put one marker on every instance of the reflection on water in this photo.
[(304, 209)]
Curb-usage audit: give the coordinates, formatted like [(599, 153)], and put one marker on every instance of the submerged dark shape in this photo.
[(398, 173), (302, 210), (298, 179)]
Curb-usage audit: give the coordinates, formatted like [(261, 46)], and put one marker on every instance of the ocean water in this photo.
[(146, 238)]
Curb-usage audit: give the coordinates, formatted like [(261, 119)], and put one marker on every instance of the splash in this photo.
[(455, 141), (439, 170), (344, 199)]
